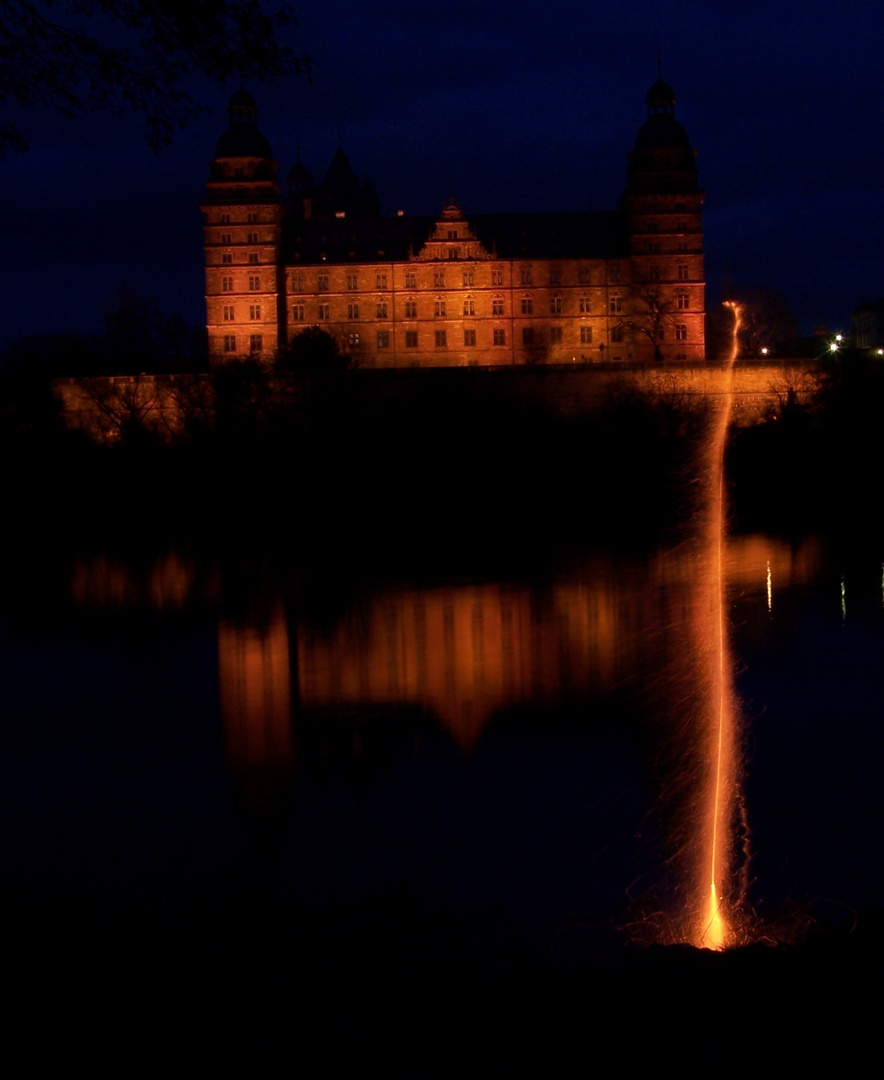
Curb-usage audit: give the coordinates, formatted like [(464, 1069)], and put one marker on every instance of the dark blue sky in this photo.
[(509, 107)]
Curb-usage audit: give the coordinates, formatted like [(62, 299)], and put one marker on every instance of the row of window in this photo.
[(229, 312), (526, 277), (440, 307), (256, 343), (227, 258), (227, 238), (440, 337), (254, 283), (615, 307), (252, 218), (498, 337)]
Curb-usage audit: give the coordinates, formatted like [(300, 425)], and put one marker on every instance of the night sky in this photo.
[(509, 107)]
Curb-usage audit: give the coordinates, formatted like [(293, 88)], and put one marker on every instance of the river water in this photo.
[(518, 746)]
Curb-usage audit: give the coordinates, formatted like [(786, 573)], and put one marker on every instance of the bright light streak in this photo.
[(769, 588)]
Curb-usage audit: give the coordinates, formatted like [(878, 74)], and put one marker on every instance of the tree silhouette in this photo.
[(75, 56), (651, 316)]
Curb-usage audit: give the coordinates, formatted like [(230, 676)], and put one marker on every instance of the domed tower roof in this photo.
[(660, 97), (662, 159), (661, 131), (242, 138)]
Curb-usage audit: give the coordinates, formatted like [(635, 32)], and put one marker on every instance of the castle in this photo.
[(620, 286)]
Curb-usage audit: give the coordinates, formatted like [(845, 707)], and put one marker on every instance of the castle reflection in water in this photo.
[(462, 652)]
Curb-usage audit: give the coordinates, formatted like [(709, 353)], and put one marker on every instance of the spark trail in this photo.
[(714, 929)]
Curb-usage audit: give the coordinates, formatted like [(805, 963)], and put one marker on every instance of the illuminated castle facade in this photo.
[(497, 289)]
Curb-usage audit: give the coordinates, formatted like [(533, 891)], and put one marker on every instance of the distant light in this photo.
[(839, 337), (400, 213), (879, 352), (340, 213), (833, 347), (765, 351)]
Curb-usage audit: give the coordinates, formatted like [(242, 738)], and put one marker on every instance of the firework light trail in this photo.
[(714, 929)]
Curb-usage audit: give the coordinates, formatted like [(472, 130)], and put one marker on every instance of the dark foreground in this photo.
[(398, 989)]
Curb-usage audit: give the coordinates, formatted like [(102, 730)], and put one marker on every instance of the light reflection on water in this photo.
[(550, 771)]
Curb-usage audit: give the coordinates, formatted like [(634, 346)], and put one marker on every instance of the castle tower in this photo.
[(242, 217), (664, 209)]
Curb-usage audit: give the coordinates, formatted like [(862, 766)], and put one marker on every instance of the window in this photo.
[(469, 306), (439, 279), (411, 309), (555, 275), (352, 281), (585, 335), (254, 283), (297, 283), (614, 273), (682, 302), (441, 339), (411, 339), (254, 311), (585, 305), (381, 309), (228, 313), (439, 309), (226, 238), (527, 335), (410, 279), (227, 284), (615, 304), (681, 332), (682, 226), (555, 305), (469, 337), (497, 276), (353, 339), (681, 356), (681, 247), (555, 335), (381, 281), (498, 337), (324, 311), (298, 312), (497, 306), (352, 311), (253, 257), (256, 342), (225, 219), (617, 333), (452, 234), (682, 271), (526, 275), (253, 219), (654, 247), (653, 272), (230, 342), (227, 258), (468, 279), (527, 305), (322, 283), (253, 238), (453, 253), (583, 275), (383, 339)]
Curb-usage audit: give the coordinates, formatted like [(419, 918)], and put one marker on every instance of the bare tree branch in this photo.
[(76, 56)]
